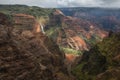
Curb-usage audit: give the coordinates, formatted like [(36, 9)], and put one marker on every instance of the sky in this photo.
[(65, 3)]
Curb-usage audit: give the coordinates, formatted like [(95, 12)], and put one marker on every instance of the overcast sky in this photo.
[(65, 3)]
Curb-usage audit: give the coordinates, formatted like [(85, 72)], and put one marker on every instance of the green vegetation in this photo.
[(31, 10), (80, 76), (41, 14), (102, 57), (92, 41), (110, 47), (70, 51), (52, 32)]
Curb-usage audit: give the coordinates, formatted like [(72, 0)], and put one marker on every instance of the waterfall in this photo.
[(42, 28)]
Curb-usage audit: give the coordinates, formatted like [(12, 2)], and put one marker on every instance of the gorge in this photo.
[(59, 44)]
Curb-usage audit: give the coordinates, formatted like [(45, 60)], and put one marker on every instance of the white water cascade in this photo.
[(42, 28)]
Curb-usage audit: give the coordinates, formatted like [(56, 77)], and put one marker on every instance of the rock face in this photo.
[(3, 19), (25, 55), (26, 22), (74, 33)]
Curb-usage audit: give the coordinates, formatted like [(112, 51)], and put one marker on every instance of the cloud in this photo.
[(65, 3), (111, 3), (86, 3), (41, 3), (89, 3)]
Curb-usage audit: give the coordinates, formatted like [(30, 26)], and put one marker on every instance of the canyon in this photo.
[(59, 44), (73, 33)]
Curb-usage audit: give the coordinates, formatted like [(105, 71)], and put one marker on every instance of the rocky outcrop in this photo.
[(74, 33), (3, 19), (25, 55), (26, 22)]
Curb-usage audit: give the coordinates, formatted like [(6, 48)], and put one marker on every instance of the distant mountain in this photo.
[(106, 18)]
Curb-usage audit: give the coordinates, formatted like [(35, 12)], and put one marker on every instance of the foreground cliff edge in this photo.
[(102, 62), (29, 55)]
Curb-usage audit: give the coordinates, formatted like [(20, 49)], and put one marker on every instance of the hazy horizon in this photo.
[(64, 3)]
